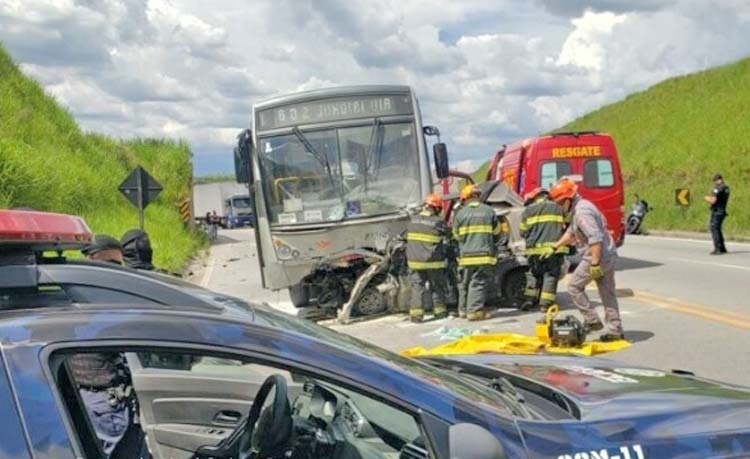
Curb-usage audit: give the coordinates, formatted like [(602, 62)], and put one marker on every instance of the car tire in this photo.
[(299, 295)]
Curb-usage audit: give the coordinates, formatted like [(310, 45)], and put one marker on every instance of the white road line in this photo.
[(680, 239), (209, 271), (710, 263)]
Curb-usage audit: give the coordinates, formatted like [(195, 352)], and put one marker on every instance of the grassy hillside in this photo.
[(48, 163), (677, 134)]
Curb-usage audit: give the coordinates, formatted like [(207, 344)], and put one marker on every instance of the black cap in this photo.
[(132, 235), (102, 242), (718, 177)]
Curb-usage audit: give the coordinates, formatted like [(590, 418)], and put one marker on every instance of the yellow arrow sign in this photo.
[(682, 197)]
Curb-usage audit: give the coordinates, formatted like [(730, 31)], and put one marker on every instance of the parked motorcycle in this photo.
[(638, 212)]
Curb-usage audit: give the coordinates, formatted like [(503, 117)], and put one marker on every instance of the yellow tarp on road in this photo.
[(511, 343)]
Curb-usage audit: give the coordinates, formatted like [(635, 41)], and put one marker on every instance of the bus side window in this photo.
[(598, 173), (551, 171)]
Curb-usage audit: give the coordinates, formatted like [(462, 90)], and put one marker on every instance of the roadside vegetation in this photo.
[(677, 134), (214, 178), (48, 163)]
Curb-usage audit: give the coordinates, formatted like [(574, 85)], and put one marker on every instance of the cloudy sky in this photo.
[(486, 71)]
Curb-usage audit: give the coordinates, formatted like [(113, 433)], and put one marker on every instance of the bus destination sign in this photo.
[(334, 109)]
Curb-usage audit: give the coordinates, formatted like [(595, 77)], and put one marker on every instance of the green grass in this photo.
[(213, 178), (677, 134), (48, 163)]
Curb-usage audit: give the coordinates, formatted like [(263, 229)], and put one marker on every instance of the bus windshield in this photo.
[(342, 173)]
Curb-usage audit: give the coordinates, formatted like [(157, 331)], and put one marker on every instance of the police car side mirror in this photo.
[(440, 152), (470, 441)]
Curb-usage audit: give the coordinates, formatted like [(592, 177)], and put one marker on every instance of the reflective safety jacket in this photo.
[(542, 225), (425, 242), (478, 231)]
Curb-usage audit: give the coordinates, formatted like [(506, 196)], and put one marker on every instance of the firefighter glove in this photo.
[(547, 252), (596, 272)]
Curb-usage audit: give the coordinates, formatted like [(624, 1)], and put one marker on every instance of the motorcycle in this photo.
[(638, 212)]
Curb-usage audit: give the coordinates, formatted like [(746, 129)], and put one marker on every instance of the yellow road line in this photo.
[(726, 317), (717, 315)]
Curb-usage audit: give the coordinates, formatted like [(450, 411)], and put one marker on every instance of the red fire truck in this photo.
[(589, 157)]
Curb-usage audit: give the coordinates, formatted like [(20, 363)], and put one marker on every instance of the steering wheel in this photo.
[(268, 431)]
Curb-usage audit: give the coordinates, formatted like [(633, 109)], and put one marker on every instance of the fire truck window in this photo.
[(598, 173), (552, 171)]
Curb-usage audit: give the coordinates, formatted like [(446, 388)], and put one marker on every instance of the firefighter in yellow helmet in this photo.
[(426, 256), (542, 225), (478, 231)]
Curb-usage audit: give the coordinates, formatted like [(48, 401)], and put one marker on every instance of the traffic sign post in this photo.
[(682, 197), (140, 189)]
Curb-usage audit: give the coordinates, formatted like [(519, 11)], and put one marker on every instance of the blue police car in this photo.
[(224, 379)]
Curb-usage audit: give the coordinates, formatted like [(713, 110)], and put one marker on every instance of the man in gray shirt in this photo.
[(588, 230)]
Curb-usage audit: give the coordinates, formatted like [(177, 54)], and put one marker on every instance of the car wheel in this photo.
[(370, 302), (299, 295)]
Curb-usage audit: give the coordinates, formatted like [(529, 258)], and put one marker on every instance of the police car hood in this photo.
[(665, 414)]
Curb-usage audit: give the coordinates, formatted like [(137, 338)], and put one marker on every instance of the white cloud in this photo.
[(584, 47), (466, 165), (510, 69)]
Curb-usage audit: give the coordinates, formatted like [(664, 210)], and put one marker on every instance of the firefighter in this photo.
[(478, 231), (598, 258), (427, 260), (541, 226)]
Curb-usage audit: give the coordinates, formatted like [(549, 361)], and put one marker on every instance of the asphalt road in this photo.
[(681, 308)]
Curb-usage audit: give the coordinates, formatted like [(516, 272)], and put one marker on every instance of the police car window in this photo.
[(34, 297), (552, 171), (161, 404), (598, 173)]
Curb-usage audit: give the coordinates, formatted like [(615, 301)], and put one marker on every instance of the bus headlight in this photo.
[(284, 251)]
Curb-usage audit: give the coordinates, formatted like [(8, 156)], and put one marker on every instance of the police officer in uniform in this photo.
[(478, 231), (104, 248), (426, 256), (542, 224), (106, 392), (136, 250), (598, 260), (719, 198)]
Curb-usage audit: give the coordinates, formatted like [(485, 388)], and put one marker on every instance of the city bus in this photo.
[(334, 173)]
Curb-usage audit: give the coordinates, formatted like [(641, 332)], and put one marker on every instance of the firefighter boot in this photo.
[(416, 315), (440, 311), (476, 316)]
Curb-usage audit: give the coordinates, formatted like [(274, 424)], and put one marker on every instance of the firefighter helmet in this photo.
[(535, 193), (433, 200), (565, 188), (468, 191)]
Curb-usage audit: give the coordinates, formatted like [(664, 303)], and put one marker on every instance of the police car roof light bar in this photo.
[(43, 230)]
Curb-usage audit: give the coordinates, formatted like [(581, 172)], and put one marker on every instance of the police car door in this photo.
[(191, 400)]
